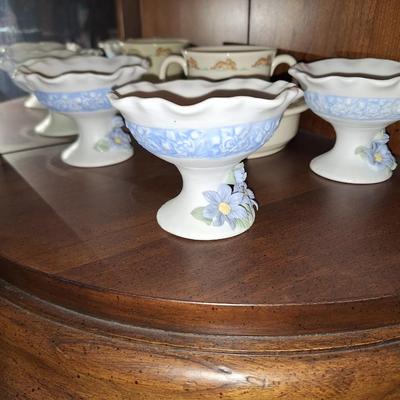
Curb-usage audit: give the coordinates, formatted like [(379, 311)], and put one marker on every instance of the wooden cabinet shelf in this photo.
[(97, 302)]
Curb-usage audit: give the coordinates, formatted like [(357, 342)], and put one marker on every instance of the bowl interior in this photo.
[(189, 92), (371, 68), (53, 67)]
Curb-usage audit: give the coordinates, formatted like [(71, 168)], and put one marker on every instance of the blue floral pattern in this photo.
[(232, 203), (378, 155), (359, 108), (204, 143), (116, 139), (85, 101)]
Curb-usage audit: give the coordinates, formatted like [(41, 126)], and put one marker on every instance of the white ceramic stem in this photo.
[(172, 60), (92, 128), (33, 102), (56, 125), (282, 59), (175, 215), (342, 164)]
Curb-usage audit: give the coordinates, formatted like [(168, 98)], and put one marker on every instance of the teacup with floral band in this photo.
[(220, 62), (156, 50)]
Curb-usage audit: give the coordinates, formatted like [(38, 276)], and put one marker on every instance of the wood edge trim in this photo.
[(199, 318)]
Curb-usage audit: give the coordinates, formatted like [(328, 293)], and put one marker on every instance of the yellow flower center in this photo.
[(224, 208), (378, 157)]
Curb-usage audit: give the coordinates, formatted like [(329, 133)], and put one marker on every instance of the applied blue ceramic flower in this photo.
[(116, 139), (224, 206), (239, 173), (378, 154), (248, 195), (240, 186), (119, 139)]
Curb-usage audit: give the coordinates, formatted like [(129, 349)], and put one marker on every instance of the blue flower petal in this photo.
[(210, 211), (224, 192), (250, 193), (236, 199), (219, 219), (231, 222), (212, 197), (238, 212)]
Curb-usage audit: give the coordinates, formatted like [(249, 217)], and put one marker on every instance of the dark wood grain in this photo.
[(321, 257), (316, 29), (16, 128), (128, 18), (203, 22), (47, 352)]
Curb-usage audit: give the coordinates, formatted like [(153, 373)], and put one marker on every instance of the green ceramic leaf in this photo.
[(198, 214), (230, 178), (243, 223), (102, 145)]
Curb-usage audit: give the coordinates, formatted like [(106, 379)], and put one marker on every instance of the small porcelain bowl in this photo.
[(285, 132), (18, 54), (78, 87), (205, 128), (360, 98)]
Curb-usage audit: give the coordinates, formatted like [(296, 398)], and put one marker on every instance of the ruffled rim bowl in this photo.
[(364, 77), (80, 72), (199, 103)]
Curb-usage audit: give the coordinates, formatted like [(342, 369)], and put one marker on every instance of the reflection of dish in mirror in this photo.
[(33, 102), (56, 125), (77, 88)]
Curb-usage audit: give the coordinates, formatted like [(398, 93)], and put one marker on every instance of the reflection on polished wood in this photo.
[(16, 128), (97, 302)]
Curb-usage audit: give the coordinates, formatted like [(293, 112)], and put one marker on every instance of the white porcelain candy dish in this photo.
[(78, 87), (360, 98), (206, 129), (285, 132), (19, 53)]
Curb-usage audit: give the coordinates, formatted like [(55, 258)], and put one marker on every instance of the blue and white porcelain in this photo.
[(78, 87), (360, 98), (206, 129), (19, 53), (24, 53)]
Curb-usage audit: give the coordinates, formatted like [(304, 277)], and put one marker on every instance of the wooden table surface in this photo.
[(319, 269), (322, 256)]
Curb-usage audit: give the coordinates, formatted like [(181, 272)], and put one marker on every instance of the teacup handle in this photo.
[(172, 60), (282, 59)]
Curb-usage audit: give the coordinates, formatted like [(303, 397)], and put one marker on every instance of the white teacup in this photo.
[(220, 62), (156, 50)]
